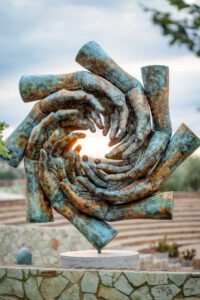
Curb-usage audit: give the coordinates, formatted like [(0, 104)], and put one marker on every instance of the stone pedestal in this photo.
[(107, 259), (22, 282)]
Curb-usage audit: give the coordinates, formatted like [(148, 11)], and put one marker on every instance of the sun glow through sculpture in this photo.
[(90, 193)]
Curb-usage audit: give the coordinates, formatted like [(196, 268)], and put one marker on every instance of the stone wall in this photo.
[(45, 243), (49, 284)]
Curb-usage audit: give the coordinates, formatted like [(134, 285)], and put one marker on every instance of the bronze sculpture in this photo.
[(90, 193)]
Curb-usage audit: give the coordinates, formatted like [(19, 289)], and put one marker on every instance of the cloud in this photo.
[(36, 32)]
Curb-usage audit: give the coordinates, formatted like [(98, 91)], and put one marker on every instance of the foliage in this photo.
[(186, 178), (173, 250), (161, 245), (3, 149), (189, 254), (11, 173), (183, 30)]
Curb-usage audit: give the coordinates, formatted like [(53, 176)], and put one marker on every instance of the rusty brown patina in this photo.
[(136, 117)]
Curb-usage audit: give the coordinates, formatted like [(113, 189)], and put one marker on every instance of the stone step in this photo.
[(144, 239), (16, 214), (11, 204), (164, 231), (131, 224), (20, 207), (57, 224), (146, 246), (136, 222), (136, 227), (17, 209), (12, 215), (59, 221), (14, 221), (187, 213), (21, 215), (186, 218)]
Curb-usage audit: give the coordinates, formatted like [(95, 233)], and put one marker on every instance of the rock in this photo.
[(26, 273), (73, 276), (141, 294), (192, 287), (195, 274), (165, 292), (177, 278), (54, 244), (156, 278), (39, 280), (24, 256), (52, 260), (136, 279), (31, 289), (106, 278), (15, 273), (2, 273), (185, 298), (12, 287), (89, 283), (34, 271), (8, 298), (89, 297), (72, 293), (123, 285), (52, 287), (111, 293), (116, 275)]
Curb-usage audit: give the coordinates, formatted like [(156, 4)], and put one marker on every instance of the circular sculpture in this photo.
[(91, 193)]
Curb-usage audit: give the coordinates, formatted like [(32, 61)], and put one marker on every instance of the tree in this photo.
[(186, 178), (183, 29), (3, 149)]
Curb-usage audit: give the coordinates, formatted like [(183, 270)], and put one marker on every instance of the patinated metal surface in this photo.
[(136, 117)]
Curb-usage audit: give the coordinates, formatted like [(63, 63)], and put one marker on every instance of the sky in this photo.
[(44, 36)]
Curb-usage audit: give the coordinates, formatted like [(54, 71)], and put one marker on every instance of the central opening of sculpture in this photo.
[(95, 144)]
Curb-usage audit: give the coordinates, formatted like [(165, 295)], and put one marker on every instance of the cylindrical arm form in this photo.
[(183, 143), (156, 85), (94, 58), (38, 208), (17, 141)]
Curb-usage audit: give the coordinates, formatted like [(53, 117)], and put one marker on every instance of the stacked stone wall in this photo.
[(49, 284)]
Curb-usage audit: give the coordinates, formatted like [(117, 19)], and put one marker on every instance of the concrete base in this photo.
[(107, 259)]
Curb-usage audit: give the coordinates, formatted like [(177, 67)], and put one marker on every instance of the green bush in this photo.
[(11, 173), (173, 250), (189, 254), (3, 149), (161, 245), (186, 178)]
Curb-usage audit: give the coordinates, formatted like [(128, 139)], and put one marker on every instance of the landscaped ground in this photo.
[(184, 229)]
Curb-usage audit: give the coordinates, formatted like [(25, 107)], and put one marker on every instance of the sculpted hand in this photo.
[(96, 231), (38, 87)]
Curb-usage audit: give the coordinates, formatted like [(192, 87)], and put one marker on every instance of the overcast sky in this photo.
[(44, 36)]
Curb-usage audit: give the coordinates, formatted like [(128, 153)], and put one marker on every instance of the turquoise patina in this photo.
[(92, 192)]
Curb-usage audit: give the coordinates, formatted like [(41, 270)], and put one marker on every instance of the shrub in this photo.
[(173, 250), (186, 178), (3, 149), (189, 254), (161, 245)]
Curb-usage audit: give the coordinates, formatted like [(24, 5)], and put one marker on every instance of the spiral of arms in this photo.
[(90, 193)]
